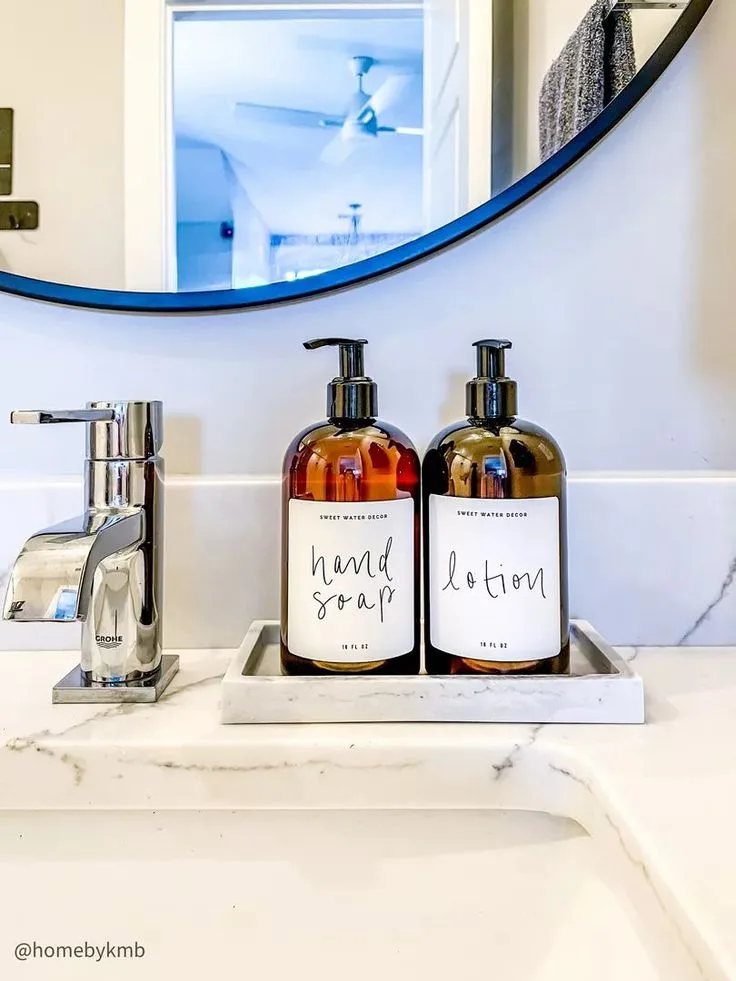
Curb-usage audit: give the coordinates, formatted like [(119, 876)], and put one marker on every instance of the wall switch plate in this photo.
[(6, 151)]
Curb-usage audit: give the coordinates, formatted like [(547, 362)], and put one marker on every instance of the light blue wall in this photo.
[(204, 257)]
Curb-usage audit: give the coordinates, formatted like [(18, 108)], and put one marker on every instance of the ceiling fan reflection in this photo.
[(359, 125)]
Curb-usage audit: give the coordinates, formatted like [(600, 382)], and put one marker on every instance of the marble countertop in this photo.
[(664, 792)]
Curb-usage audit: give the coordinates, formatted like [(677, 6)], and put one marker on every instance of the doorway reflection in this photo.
[(298, 142)]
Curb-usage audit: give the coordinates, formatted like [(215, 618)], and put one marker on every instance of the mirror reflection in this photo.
[(193, 146)]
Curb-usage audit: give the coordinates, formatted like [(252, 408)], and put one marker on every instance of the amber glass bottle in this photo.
[(350, 536), (495, 574)]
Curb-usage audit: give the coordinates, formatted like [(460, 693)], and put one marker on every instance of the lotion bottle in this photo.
[(495, 582), (350, 536)]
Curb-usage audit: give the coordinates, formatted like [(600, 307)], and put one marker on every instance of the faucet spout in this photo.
[(53, 576)]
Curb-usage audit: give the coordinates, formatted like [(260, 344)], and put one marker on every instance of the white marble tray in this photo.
[(601, 688)]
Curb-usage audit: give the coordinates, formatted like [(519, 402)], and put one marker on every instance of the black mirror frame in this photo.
[(387, 262)]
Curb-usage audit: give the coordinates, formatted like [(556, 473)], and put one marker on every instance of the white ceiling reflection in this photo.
[(302, 64)]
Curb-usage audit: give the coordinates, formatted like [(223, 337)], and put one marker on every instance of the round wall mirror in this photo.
[(190, 155)]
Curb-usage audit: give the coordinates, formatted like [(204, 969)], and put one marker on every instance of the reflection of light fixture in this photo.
[(296, 256), (355, 218), (354, 245)]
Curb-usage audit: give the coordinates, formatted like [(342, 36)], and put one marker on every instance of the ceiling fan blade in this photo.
[(402, 130), (338, 151), (282, 116), (389, 93), (408, 64), (402, 59)]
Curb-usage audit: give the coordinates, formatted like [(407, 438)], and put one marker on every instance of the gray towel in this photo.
[(595, 64)]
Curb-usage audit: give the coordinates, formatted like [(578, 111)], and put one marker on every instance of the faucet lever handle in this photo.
[(41, 417), (115, 430)]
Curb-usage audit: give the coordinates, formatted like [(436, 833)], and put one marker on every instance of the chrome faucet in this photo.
[(104, 567)]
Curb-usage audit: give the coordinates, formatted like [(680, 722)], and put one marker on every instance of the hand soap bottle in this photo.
[(495, 537), (350, 541)]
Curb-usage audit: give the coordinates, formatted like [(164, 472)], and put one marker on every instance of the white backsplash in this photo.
[(652, 557)]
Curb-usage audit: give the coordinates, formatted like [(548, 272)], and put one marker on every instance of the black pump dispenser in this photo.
[(351, 396), (491, 395)]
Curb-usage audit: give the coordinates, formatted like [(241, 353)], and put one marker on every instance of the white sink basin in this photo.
[(329, 895)]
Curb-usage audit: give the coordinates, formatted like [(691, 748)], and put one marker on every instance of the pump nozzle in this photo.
[(491, 358), (491, 395), (351, 354), (351, 395)]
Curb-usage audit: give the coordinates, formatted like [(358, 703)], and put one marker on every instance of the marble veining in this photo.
[(705, 615), (22, 744), (187, 686), (638, 862), (507, 763), (38, 742), (319, 764), (570, 775)]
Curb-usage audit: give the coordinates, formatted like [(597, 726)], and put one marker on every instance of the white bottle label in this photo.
[(351, 580), (494, 586)]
